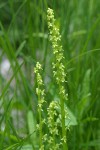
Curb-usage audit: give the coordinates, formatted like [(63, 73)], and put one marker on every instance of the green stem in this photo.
[(65, 147), (53, 132), (40, 120)]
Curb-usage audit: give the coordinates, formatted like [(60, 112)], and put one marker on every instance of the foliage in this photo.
[(23, 42)]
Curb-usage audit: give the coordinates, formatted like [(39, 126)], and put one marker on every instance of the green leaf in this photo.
[(8, 83), (31, 119), (89, 119), (27, 147), (20, 48), (92, 143), (85, 100), (71, 121)]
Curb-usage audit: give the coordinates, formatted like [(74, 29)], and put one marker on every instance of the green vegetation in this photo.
[(28, 113)]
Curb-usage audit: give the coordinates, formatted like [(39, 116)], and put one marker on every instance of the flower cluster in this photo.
[(55, 138), (53, 125), (40, 93), (55, 38), (39, 90), (58, 68)]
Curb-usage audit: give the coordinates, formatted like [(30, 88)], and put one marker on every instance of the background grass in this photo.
[(23, 41)]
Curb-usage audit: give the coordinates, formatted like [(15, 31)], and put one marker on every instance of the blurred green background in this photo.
[(24, 41)]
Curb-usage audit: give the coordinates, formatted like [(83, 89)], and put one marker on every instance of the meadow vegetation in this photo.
[(49, 75)]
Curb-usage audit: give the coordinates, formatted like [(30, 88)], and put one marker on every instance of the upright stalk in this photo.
[(40, 94), (40, 120), (58, 69), (64, 132)]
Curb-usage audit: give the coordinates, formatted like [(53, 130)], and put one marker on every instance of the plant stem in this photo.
[(65, 147), (53, 132), (40, 120)]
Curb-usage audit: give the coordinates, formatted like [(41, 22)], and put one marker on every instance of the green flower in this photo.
[(58, 68), (40, 94)]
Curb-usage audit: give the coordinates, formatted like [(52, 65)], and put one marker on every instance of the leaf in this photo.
[(31, 119), (71, 121), (92, 143), (85, 98), (27, 147), (20, 48), (90, 119), (17, 147), (8, 83)]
